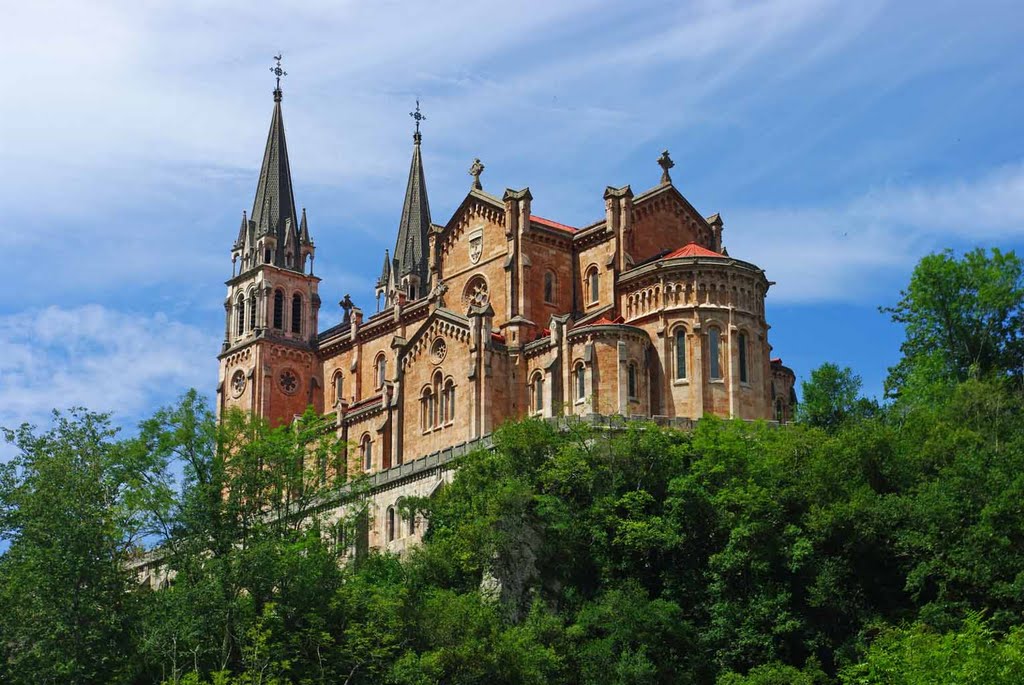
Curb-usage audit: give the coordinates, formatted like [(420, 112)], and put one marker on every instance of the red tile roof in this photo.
[(497, 337), (693, 250), (605, 321), (552, 224)]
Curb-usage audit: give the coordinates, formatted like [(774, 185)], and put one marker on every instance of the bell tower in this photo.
[(268, 362)]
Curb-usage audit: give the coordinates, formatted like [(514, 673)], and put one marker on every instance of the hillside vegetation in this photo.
[(870, 542)]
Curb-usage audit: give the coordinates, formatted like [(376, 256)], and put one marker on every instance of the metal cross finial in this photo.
[(666, 163), (418, 117), (278, 72), (475, 172)]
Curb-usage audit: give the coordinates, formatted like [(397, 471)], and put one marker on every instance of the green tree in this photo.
[(971, 655), (73, 507), (830, 397), (963, 318)]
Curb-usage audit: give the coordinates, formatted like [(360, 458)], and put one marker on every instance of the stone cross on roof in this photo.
[(475, 170), (666, 163)]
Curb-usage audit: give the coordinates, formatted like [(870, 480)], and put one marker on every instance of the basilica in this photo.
[(495, 314)]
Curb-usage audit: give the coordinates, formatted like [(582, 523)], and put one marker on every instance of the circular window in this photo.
[(438, 350), (238, 383), (289, 381), (476, 292)]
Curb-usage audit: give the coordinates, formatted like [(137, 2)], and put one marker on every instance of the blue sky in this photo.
[(840, 142)]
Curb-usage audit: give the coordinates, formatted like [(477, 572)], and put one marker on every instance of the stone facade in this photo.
[(503, 314)]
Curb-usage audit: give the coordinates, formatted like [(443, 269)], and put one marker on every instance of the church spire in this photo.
[(410, 255), (273, 208)]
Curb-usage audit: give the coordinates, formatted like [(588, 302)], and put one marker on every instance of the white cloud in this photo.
[(856, 250), (99, 358)]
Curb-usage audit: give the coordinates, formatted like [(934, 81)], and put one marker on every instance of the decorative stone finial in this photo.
[(666, 163), (418, 117), (278, 72), (475, 170)]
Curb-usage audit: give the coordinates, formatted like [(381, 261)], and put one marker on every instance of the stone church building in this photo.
[(495, 313)]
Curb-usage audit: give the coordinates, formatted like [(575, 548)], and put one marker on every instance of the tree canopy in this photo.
[(864, 544)]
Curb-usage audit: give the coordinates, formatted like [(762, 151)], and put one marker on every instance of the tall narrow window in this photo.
[(278, 309), (240, 316), (266, 257), (714, 344), (742, 338), (631, 379), (391, 524), (449, 402), (296, 313), (581, 382), (426, 409), (593, 285), (549, 287), (411, 523), (680, 353), (381, 371), (252, 311), (339, 390), (367, 452), (538, 393)]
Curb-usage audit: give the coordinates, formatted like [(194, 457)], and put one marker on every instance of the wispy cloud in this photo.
[(855, 250), (100, 358)]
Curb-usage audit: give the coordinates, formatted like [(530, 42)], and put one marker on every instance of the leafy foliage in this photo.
[(865, 544)]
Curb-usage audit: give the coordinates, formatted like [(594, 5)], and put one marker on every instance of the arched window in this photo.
[(391, 524), (279, 309), (339, 389), (680, 352), (252, 310), (549, 287), (580, 373), (240, 315), (714, 349), (380, 370), (366, 452), (449, 401), (631, 380), (593, 285), (411, 523), (427, 408), (742, 342), (537, 399), (266, 256), (296, 313)]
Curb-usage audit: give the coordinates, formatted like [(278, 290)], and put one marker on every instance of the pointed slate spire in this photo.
[(385, 272), (411, 246), (242, 230), (274, 204), (304, 238)]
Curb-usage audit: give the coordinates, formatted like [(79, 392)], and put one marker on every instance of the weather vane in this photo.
[(278, 72), (418, 118)]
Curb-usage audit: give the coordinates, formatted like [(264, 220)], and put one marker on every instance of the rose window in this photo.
[(289, 381), (238, 382), (476, 292)]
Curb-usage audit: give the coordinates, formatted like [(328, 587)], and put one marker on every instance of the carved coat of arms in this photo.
[(476, 245)]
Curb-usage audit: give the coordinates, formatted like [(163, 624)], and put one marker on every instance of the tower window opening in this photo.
[(549, 287), (296, 313), (240, 316), (266, 256), (279, 309), (391, 524), (631, 380), (252, 311), (449, 401), (581, 382)]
